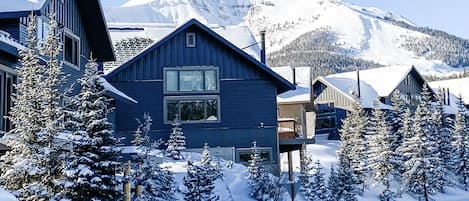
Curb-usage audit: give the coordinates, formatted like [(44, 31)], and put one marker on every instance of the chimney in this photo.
[(262, 46), (447, 90), (443, 94), (358, 84), (294, 75)]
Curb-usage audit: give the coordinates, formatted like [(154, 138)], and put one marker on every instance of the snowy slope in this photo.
[(362, 31)]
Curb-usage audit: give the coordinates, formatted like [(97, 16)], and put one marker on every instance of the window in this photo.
[(191, 79), (325, 116), (190, 39), (243, 155), (71, 49), (42, 28), (194, 109)]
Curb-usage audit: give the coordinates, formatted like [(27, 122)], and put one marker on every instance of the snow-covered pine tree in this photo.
[(317, 190), (401, 155), (333, 184), (436, 174), (306, 173), (395, 117), (92, 161), (206, 162), (443, 133), (264, 187), (381, 154), (461, 148), (157, 183), (176, 142), (356, 145), (31, 167), (345, 176), (199, 184)]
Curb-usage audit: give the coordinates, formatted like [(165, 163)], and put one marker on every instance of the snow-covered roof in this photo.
[(374, 83), (6, 38), (457, 87), (302, 80), (240, 36), (117, 92), (21, 5)]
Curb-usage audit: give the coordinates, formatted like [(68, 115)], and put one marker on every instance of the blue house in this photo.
[(82, 29), (223, 96)]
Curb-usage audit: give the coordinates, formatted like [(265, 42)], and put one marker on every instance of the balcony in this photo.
[(289, 137)]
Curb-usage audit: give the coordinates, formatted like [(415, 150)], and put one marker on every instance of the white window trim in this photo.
[(189, 68), (195, 97), (188, 35), (249, 151), (73, 36)]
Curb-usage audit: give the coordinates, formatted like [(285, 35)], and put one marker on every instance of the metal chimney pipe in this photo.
[(447, 89), (294, 75), (262, 46), (358, 84)]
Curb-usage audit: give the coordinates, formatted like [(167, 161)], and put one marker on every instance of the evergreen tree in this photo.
[(333, 184), (381, 154), (206, 162), (32, 166), (403, 152), (306, 173), (354, 144), (461, 148), (264, 187), (92, 162), (345, 175), (176, 142), (443, 133), (157, 183), (199, 183), (317, 190)]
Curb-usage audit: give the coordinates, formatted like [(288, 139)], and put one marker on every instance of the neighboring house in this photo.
[(222, 95), (334, 94), (82, 30), (453, 88)]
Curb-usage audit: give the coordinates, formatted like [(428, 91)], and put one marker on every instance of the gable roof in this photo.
[(374, 83), (123, 34), (455, 86), (93, 21), (282, 84)]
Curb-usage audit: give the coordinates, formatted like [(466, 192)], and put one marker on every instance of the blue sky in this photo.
[(451, 16)]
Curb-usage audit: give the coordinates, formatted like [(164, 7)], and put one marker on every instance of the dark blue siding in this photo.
[(11, 26), (247, 95)]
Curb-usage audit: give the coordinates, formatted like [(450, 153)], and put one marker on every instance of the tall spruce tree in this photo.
[(92, 162), (461, 148), (345, 175), (306, 173), (333, 184), (443, 133), (381, 154), (318, 190), (402, 154), (355, 145), (32, 166), (176, 142), (157, 183)]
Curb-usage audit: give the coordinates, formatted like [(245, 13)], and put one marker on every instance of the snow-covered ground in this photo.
[(325, 151), (6, 196)]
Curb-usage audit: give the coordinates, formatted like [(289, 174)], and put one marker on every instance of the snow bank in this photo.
[(6, 196)]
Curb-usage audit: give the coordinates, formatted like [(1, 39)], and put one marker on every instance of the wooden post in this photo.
[(127, 187), (138, 190), (290, 175)]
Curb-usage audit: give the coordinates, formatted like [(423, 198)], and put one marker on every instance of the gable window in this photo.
[(71, 48), (190, 39), (191, 94)]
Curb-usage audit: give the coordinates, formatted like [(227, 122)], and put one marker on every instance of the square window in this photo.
[(191, 79), (196, 109), (190, 39)]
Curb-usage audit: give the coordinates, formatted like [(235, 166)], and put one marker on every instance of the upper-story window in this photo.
[(71, 48), (193, 79), (43, 28), (191, 94), (190, 39)]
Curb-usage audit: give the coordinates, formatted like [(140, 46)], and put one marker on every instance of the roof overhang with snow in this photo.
[(283, 85), (92, 17)]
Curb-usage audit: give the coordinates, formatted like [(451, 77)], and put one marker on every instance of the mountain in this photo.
[(329, 35)]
